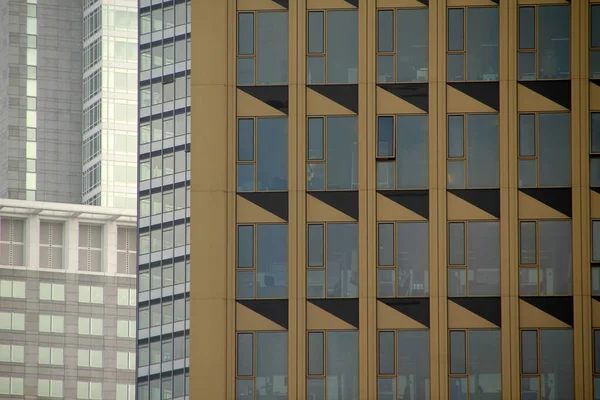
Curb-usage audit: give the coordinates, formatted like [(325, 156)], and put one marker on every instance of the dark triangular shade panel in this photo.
[(344, 309), (425, 2), (274, 202), (343, 201), (488, 308), (595, 81), (496, 1), (353, 2), (416, 201), (560, 307), (416, 308), (487, 93), (595, 189), (275, 96), (344, 95), (559, 91), (273, 310), (597, 298), (486, 199), (416, 94), (559, 199), (283, 3)]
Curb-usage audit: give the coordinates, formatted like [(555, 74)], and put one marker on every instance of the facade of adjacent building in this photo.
[(67, 301), (396, 199), (164, 199)]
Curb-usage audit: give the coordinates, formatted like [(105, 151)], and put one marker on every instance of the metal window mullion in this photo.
[(466, 161), (325, 141)]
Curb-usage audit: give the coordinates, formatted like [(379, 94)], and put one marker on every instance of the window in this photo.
[(332, 153), (473, 151), (12, 353), (12, 321), (126, 329), (595, 41), (596, 258), (544, 42), (125, 391), (50, 356), (596, 364), (91, 294), (51, 245), (544, 150), (125, 360), (126, 250), (50, 388), (157, 19), (403, 257), (262, 261), (332, 260), (262, 157), (545, 258), (89, 390), (90, 326), (268, 63), (12, 239), (480, 26), (402, 152), (404, 370), (90, 248), (10, 385), (52, 291), (12, 289), (473, 258), (547, 364), (261, 363), (52, 323), (595, 148), (332, 47), (332, 359), (402, 45), (475, 364), (126, 297)]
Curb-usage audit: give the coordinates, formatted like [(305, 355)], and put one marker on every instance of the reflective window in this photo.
[(89, 390), (50, 388), (403, 259), (91, 294), (545, 263), (52, 323), (402, 152), (12, 289), (544, 42), (12, 353), (547, 364), (477, 273), (86, 325), (11, 385), (473, 151), (595, 148), (475, 364), (402, 45), (268, 63), (596, 364), (261, 364), (332, 153), (332, 47), (477, 59), (262, 261), (334, 272), (544, 150), (595, 44), (332, 358), (262, 154)]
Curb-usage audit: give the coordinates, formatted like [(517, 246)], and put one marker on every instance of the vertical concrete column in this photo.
[(71, 249), (32, 242), (109, 245)]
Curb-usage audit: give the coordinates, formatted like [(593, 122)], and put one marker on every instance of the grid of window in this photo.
[(50, 355), (89, 390), (164, 276), (125, 391), (595, 149), (92, 84), (12, 289), (126, 250), (92, 115), (171, 236), (170, 348), (596, 361), (92, 23), (126, 329), (12, 321), (90, 247), (12, 239), (595, 41), (89, 358), (92, 54), (51, 244), (50, 388), (11, 386), (90, 326), (12, 353), (126, 297), (402, 45), (91, 294), (125, 360), (52, 291), (52, 323)]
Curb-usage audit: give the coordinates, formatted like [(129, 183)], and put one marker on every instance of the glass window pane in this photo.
[(595, 65), (457, 389), (385, 174), (342, 157), (412, 152), (271, 365), (315, 353), (315, 175), (529, 352), (528, 281), (526, 135), (272, 261), (385, 69), (595, 281), (456, 67), (456, 29), (244, 354), (555, 258), (386, 353), (556, 363), (342, 364), (272, 154), (413, 364), (554, 149), (385, 136), (386, 388), (245, 33), (245, 71), (526, 27), (385, 242), (412, 35), (385, 282), (245, 246), (342, 260), (385, 30), (315, 138), (342, 46), (245, 177), (484, 258), (458, 349), (272, 51), (485, 360), (244, 389), (597, 351), (595, 25), (315, 245), (315, 284), (245, 285), (412, 244), (527, 173), (457, 282), (527, 243), (526, 65), (554, 47), (595, 130), (456, 174), (246, 139), (316, 389), (530, 388), (456, 244), (456, 144), (315, 32), (315, 70), (595, 240), (482, 152), (482, 43)]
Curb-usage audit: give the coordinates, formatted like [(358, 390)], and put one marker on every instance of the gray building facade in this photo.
[(67, 301)]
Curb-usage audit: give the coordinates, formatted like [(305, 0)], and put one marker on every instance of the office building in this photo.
[(164, 190), (67, 301), (395, 199)]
